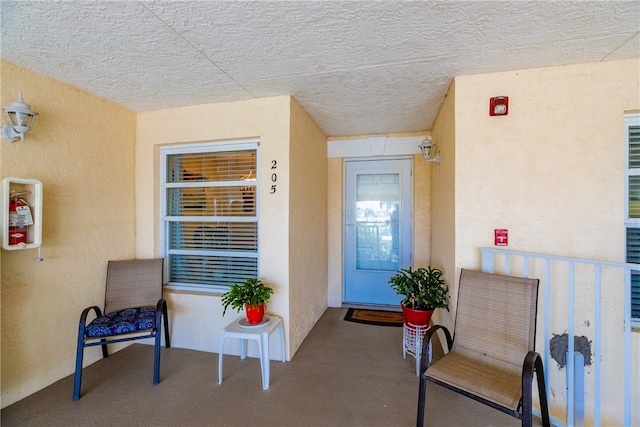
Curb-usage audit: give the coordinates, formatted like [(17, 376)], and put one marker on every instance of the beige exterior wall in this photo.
[(82, 150), (422, 211), (443, 190), (552, 173), (307, 224), (290, 138), (335, 208), (552, 170)]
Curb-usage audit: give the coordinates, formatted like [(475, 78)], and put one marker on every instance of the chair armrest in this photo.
[(83, 319), (161, 309), (427, 339), (533, 363), (529, 365), (85, 313)]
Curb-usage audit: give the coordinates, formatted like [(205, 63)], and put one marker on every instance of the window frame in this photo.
[(630, 223), (166, 220)]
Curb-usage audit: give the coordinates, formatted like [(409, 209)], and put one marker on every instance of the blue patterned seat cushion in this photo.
[(122, 322)]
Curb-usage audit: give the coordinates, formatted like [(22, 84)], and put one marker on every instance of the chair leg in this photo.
[(105, 353), (77, 378), (424, 362), (167, 340), (542, 392), (533, 362), (422, 394), (156, 356), (527, 378)]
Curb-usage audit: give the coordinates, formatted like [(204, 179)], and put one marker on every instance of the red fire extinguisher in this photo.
[(19, 218)]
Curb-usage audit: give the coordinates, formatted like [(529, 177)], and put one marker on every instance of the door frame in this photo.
[(408, 260)]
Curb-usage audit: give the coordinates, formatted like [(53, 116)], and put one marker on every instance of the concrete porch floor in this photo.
[(344, 374)]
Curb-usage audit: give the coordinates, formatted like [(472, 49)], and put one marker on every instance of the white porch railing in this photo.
[(602, 290)]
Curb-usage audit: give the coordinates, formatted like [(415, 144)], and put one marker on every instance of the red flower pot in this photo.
[(255, 313), (416, 317)]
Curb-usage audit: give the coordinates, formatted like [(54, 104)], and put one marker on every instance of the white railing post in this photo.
[(627, 350), (547, 320), (597, 346), (570, 357), (487, 261), (577, 384)]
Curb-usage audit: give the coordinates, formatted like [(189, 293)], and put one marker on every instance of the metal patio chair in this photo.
[(491, 356), (134, 309)]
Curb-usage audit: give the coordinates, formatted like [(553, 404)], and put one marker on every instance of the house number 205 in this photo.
[(274, 176)]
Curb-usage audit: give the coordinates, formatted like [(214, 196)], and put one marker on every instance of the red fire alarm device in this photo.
[(501, 237), (499, 106)]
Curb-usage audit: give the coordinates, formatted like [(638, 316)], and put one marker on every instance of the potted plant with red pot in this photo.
[(252, 295), (424, 290)]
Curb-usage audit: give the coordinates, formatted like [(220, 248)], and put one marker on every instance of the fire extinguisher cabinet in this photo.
[(21, 213)]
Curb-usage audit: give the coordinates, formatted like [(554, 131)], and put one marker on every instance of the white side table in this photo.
[(412, 336), (258, 333)]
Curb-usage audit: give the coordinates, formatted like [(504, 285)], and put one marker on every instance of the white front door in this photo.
[(378, 228)]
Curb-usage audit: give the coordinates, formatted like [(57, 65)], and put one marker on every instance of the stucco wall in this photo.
[(556, 161), (307, 224), (422, 211), (82, 149), (335, 207), (267, 119), (552, 173), (443, 190)]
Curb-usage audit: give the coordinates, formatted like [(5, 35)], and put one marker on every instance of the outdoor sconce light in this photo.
[(21, 116), (429, 150)]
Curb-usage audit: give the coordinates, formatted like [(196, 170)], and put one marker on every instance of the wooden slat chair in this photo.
[(491, 356), (133, 310)]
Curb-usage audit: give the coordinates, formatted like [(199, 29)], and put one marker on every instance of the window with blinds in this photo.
[(632, 133), (209, 214)]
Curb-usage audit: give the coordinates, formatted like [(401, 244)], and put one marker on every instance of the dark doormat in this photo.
[(374, 317)]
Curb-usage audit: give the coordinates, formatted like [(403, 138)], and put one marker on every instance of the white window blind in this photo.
[(632, 134), (633, 256), (210, 221), (633, 171)]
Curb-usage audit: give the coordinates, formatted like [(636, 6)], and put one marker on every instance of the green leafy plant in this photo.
[(251, 291), (423, 288)]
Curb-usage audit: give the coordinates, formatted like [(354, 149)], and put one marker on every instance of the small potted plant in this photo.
[(423, 289), (251, 295)]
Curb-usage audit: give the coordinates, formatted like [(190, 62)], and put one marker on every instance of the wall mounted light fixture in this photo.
[(429, 150), (21, 116)]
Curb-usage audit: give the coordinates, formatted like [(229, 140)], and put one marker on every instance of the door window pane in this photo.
[(377, 224)]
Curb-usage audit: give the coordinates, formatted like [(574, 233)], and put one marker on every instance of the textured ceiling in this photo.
[(357, 67)]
